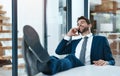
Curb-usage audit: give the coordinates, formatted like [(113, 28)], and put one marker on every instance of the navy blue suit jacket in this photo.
[(100, 49)]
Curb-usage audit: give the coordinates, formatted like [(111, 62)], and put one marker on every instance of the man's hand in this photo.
[(73, 32), (100, 62)]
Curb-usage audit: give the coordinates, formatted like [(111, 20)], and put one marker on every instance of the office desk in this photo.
[(90, 70)]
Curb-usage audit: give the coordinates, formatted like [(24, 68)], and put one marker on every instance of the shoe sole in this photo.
[(30, 60), (32, 40), (24, 52)]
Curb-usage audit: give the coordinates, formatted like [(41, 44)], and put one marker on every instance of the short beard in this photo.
[(84, 30)]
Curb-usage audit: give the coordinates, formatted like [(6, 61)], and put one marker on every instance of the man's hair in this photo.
[(82, 17)]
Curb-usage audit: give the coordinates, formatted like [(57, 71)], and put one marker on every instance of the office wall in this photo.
[(30, 12), (53, 25), (77, 10)]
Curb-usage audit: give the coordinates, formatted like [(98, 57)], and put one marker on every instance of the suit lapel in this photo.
[(93, 48), (74, 44)]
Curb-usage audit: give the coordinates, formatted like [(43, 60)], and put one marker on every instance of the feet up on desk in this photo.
[(32, 40), (36, 57)]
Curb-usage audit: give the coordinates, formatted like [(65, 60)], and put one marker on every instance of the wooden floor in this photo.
[(21, 72)]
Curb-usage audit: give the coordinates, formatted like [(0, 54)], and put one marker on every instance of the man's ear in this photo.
[(90, 25)]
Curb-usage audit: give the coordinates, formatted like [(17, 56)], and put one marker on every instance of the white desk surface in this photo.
[(90, 70)]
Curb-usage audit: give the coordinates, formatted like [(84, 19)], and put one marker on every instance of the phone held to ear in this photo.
[(78, 32)]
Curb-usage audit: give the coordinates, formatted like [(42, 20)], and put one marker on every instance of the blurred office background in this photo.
[(52, 19)]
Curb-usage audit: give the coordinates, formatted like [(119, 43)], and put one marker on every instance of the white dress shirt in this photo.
[(88, 47)]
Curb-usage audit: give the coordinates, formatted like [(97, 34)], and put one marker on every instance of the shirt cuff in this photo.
[(66, 37), (107, 63)]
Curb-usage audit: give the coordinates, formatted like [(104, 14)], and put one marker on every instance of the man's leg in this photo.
[(33, 52), (37, 58), (56, 65)]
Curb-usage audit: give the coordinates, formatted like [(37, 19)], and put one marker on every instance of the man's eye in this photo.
[(83, 22)]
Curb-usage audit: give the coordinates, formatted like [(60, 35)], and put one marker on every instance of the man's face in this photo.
[(82, 26)]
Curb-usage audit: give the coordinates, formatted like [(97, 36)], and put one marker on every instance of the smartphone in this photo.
[(78, 32)]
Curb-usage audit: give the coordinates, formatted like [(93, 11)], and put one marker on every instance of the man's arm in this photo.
[(65, 46), (108, 59)]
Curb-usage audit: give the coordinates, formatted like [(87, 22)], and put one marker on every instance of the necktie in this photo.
[(83, 50)]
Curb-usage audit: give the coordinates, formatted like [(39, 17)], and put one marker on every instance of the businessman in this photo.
[(86, 50)]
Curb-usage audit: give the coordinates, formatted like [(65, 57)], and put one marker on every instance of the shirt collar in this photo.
[(89, 35)]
